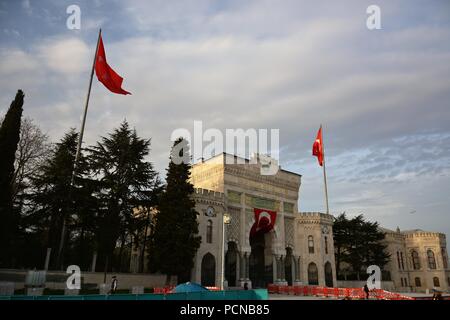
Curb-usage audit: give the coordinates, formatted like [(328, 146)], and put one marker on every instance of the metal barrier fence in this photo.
[(351, 293)]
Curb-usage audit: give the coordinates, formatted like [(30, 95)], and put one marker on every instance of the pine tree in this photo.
[(358, 243), (124, 182), (175, 239), (53, 196), (9, 138)]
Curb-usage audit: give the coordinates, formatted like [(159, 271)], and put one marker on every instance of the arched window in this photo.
[(444, 258), (209, 231), (313, 274), (398, 260), (431, 259), (418, 282), (436, 282), (311, 244), (401, 259), (328, 275), (415, 260), (326, 245)]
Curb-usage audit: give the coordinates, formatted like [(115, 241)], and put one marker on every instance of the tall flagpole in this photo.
[(80, 141), (325, 174)]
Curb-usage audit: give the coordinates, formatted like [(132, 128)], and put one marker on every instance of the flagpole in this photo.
[(80, 141), (325, 174)]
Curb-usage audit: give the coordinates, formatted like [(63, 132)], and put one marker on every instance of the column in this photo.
[(297, 274), (241, 267), (275, 268), (283, 268), (247, 274), (238, 267), (293, 270)]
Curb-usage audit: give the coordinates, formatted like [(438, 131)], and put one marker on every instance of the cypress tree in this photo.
[(175, 239), (9, 138)]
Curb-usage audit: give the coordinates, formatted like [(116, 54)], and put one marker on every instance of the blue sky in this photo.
[(382, 95)]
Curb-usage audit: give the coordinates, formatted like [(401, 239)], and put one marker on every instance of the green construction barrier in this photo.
[(258, 294)]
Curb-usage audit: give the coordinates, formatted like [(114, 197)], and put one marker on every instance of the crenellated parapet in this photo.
[(201, 195), (315, 218)]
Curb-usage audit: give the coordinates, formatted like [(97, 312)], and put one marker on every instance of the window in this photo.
[(436, 282), (406, 282), (401, 259), (431, 259), (418, 282), (311, 244), (448, 280), (209, 232), (402, 282), (313, 274), (398, 260), (444, 258), (415, 260), (326, 245)]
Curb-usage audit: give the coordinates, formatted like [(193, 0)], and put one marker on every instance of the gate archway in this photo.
[(208, 270)]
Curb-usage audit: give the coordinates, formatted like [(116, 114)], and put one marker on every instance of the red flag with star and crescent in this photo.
[(105, 73), (317, 149), (264, 221)]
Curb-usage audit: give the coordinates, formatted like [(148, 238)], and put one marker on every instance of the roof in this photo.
[(245, 160)]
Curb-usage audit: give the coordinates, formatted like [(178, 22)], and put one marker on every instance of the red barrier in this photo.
[(351, 293)]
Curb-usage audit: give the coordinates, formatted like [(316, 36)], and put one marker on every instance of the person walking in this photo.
[(366, 291), (113, 285)]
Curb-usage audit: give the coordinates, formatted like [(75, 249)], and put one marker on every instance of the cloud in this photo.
[(381, 95), (26, 5), (68, 56)]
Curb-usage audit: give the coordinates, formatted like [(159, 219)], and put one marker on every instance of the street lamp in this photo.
[(226, 219)]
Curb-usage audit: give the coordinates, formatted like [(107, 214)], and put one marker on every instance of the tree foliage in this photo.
[(358, 244), (125, 181), (9, 139), (175, 240)]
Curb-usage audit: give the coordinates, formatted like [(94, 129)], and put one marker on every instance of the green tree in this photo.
[(54, 198), (125, 182), (9, 138), (358, 243), (174, 240)]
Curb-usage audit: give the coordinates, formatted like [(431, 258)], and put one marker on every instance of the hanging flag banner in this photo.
[(105, 73), (264, 221), (317, 149)]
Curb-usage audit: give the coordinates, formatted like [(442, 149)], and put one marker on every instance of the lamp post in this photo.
[(226, 219)]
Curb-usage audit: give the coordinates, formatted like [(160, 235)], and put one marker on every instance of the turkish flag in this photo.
[(105, 73), (264, 221), (317, 149)]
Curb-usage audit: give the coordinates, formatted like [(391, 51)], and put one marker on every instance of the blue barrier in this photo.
[(257, 294)]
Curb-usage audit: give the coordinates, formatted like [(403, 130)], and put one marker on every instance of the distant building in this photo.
[(299, 249), (419, 260)]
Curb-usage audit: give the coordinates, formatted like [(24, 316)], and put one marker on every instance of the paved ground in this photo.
[(293, 297)]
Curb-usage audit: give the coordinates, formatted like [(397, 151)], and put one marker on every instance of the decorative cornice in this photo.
[(257, 177)]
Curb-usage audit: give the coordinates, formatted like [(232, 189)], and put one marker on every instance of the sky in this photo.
[(382, 96)]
